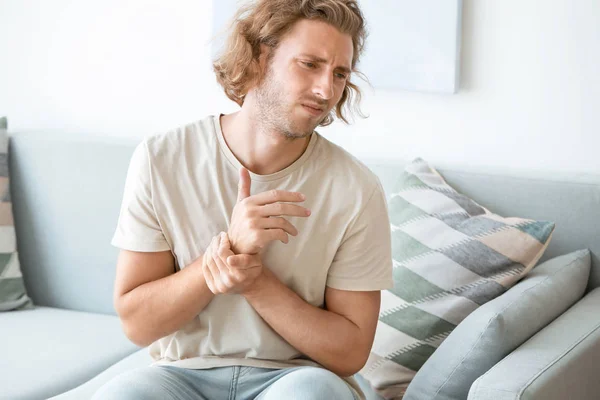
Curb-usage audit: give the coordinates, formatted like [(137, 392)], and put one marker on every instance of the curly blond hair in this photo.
[(265, 22)]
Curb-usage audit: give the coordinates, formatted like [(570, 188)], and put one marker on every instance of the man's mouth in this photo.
[(313, 109)]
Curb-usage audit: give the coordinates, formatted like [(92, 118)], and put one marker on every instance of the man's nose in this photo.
[(323, 86)]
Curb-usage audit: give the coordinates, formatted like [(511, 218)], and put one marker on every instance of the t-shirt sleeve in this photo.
[(138, 228), (364, 259)]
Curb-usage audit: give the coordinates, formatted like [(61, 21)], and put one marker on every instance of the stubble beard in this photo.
[(273, 111)]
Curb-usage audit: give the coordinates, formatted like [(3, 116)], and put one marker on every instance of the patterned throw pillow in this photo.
[(451, 255), (12, 289)]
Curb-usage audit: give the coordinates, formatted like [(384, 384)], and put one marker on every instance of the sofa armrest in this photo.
[(559, 362)]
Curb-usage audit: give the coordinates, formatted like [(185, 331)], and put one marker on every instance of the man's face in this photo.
[(305, 78)]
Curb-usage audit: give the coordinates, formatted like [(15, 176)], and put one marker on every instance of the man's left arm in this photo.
[(338, 337)]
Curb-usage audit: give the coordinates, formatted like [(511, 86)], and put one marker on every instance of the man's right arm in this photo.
[(152, 300)]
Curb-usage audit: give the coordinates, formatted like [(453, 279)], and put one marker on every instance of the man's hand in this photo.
[(257, 220), (226, 272)]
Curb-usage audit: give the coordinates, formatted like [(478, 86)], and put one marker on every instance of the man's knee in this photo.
[(144, 383), (310, 384)]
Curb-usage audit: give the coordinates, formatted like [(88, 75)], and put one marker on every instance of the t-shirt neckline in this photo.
[(314, 137)]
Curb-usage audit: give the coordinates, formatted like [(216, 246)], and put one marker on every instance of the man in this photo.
[(253, 249)]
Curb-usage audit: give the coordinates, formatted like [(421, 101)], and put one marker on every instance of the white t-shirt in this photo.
[(180, 191)]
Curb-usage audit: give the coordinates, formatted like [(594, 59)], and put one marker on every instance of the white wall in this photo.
[(529, 98)]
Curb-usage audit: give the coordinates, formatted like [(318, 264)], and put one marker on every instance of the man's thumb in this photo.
[(243, 185)]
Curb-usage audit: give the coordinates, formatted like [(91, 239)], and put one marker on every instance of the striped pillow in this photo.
[(451, 255), (12, 288)]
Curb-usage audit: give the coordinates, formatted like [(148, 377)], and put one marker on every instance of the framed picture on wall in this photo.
[(413, 44)]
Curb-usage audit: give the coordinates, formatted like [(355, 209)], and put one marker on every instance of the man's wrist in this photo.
[(260, 283), (198, 267)]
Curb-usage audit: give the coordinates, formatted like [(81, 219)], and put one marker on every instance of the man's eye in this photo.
[(340, 76), (309, 64)]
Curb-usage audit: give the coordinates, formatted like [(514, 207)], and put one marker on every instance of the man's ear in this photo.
[(264, 55), (263, 58)]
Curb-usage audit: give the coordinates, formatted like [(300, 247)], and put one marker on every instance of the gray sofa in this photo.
[(66, 192)]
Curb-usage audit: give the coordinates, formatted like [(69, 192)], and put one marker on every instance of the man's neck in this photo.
[(261, 150)]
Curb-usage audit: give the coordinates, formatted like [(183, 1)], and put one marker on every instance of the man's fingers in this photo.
[(244, 185), (210, 263), (216, 276), (277, 209), (224, 250), (218, 262), (274, 196), (224, 245), (278, 222), (277, 234), (225, 240), (208, 278), (244, 261)]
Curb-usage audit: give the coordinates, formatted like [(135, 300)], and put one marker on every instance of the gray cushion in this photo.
[(495, 329), (48, 351), (559, 362)]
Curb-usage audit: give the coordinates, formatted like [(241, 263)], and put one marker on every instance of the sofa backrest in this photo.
[(66, 194), (67, 190)]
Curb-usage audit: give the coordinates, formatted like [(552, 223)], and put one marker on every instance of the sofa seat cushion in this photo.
[(139, 359), (47, 351)]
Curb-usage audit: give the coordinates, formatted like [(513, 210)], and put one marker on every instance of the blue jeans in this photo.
[(225, 383)]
